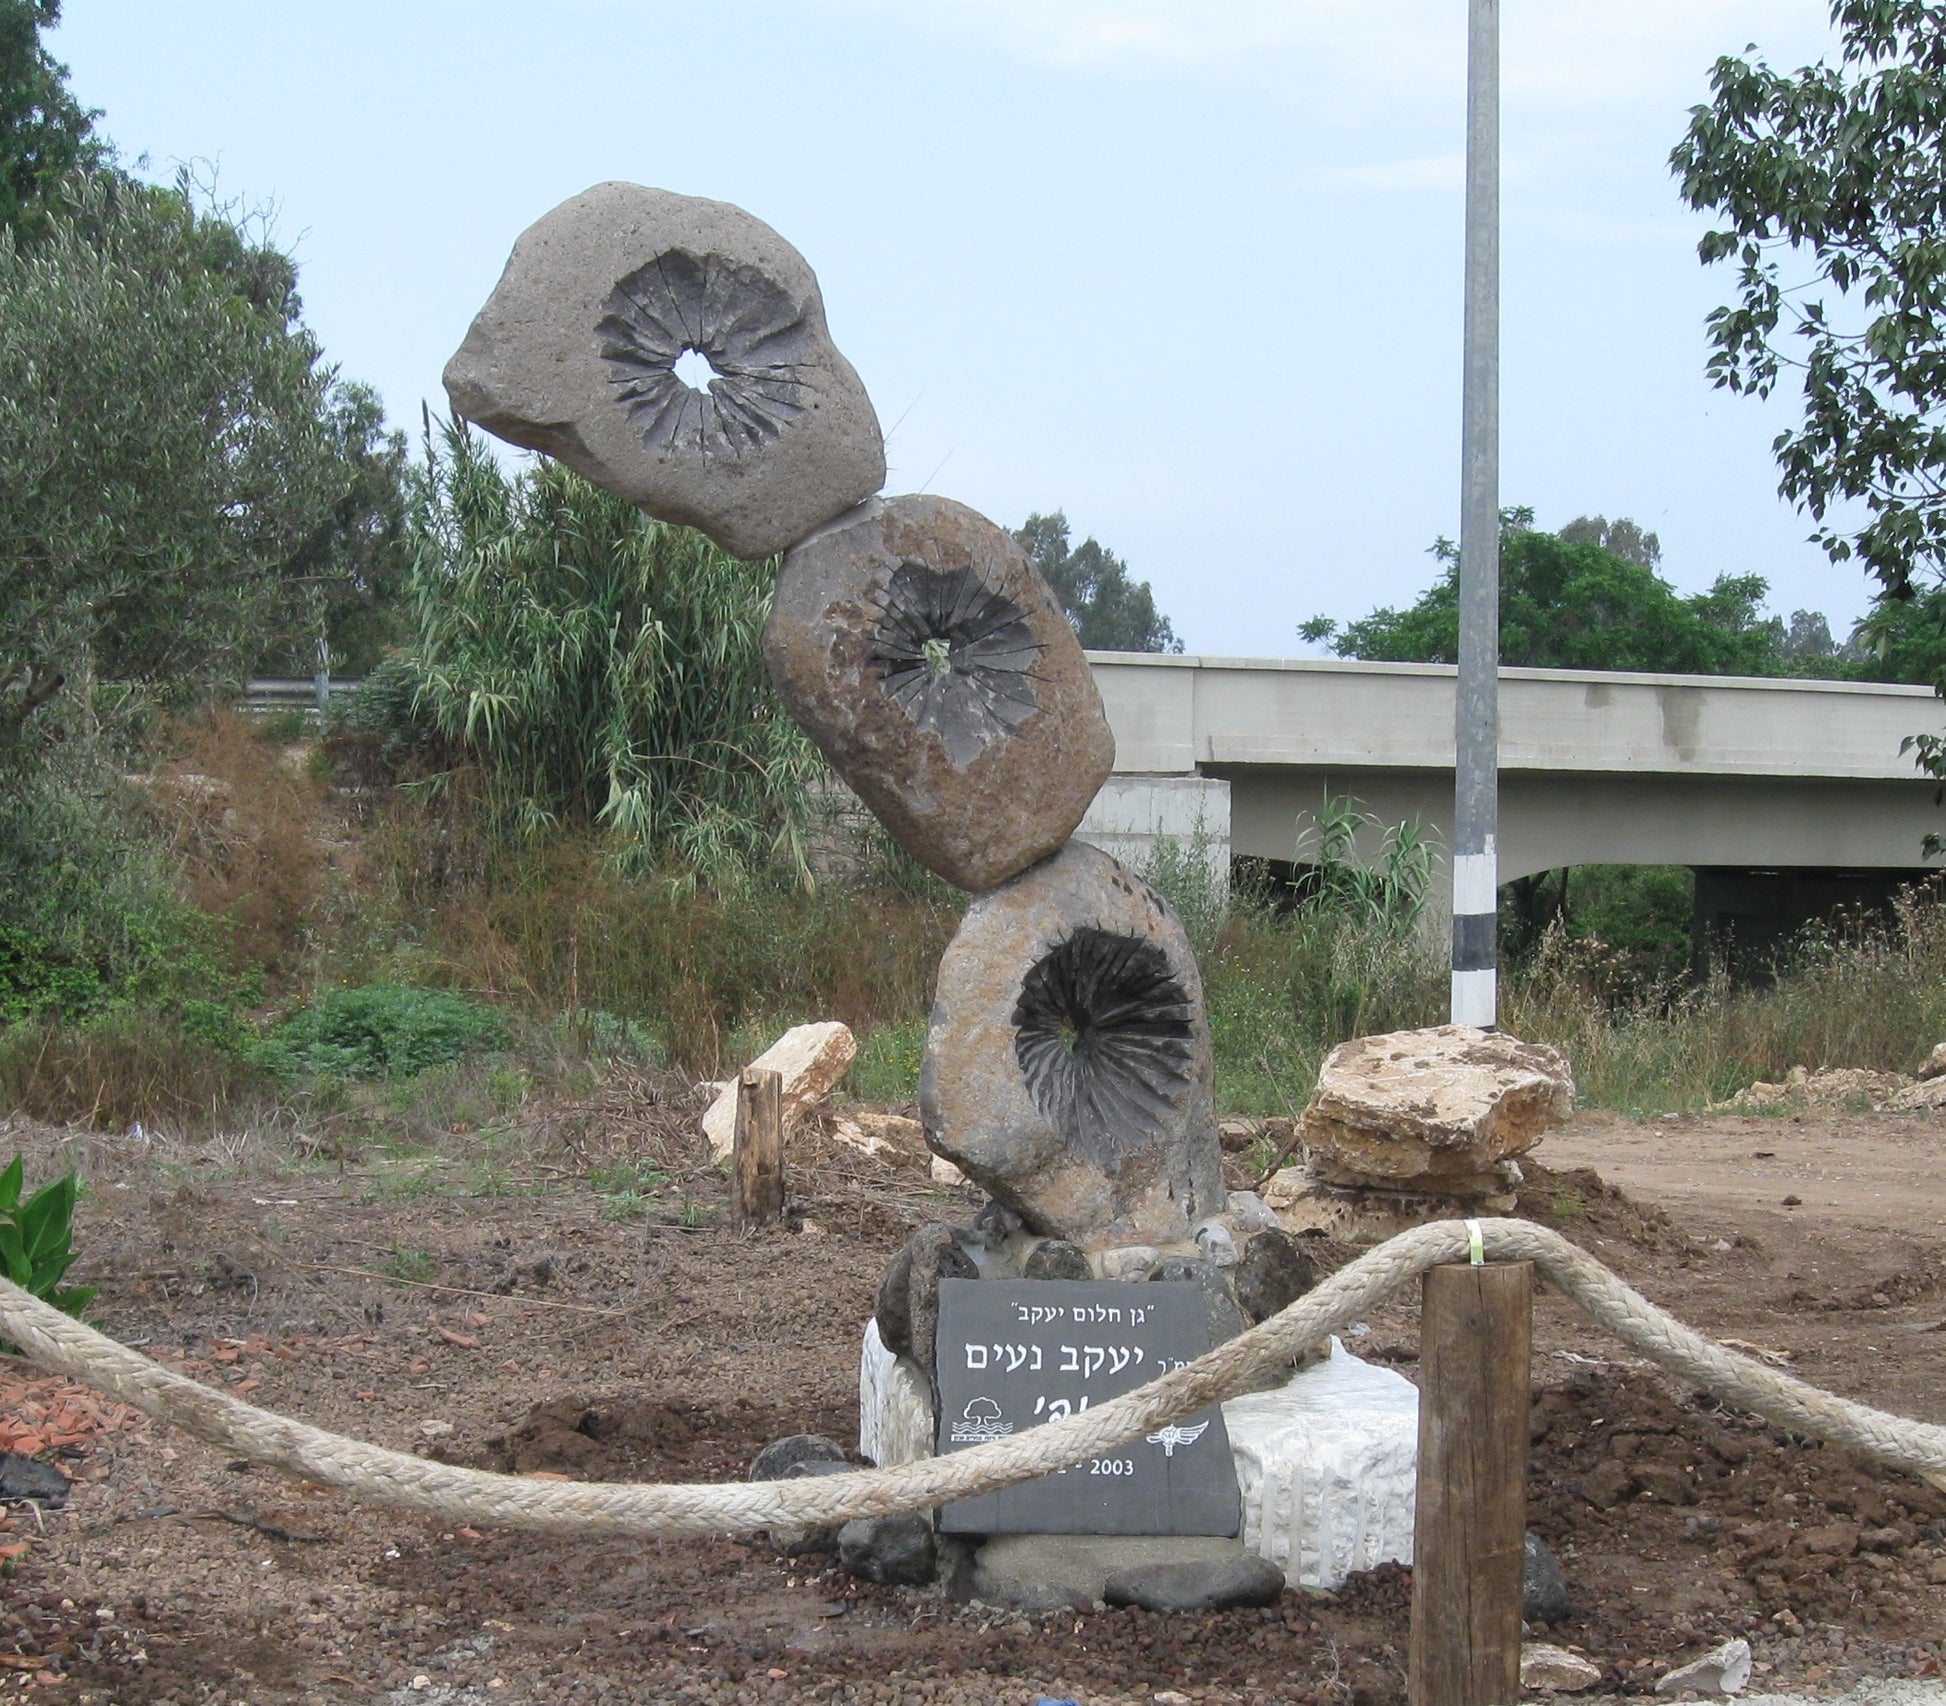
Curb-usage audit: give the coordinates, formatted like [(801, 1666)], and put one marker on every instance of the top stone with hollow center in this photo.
[(674, 351)]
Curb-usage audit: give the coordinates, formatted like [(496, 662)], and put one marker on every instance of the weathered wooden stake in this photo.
[(1475, 1334), (759, 1147)]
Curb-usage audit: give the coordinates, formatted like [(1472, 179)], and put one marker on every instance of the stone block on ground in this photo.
[(1726, 1670), (889, 1137), (1444, 1110), (812, 1060), (576, 352), (1067, 1067), (1554, 1670), (930, 662), (1915, 1098), (1326, 1464)]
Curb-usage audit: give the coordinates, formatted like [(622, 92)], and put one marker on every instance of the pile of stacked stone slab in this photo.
[(1068, 1066)]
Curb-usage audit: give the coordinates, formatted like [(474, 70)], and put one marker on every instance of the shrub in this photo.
[(383, 1031), (37, 1237), (90, 914)]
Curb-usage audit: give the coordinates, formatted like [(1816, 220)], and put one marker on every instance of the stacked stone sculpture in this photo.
[(1068, 1066)]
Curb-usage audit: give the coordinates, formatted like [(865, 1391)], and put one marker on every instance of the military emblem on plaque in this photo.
[(1015, 1354)]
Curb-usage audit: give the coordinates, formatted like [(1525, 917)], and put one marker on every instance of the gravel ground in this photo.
[(522, 1320)]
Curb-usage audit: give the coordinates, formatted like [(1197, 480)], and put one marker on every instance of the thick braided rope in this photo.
[(380, 1476)]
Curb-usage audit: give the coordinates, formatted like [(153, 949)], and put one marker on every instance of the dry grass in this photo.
[(245, 822)]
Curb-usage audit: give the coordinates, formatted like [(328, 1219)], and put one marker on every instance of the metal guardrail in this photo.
[(311, 695)]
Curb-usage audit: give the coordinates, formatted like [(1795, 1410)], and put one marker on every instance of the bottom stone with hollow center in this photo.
[(1067, 1066)]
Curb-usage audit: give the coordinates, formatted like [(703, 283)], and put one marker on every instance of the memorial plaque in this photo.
[(1016, 1353)]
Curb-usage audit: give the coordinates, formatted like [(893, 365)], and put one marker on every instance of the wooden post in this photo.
[(1475, 1335), (759, 1148)]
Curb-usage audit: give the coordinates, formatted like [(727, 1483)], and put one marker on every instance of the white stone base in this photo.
[(895, 1422), (1325, 1463)]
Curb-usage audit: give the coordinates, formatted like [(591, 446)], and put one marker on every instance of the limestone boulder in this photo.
[(1914, 1098), (1935, 1064), (1067, 1068), (576, 354), (1445, 1111), (1547, 1669), (914, 642), (811, 1058)]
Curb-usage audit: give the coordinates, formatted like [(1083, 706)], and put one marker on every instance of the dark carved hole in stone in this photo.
[(1102, 1032), (957, 657), (748, 330)]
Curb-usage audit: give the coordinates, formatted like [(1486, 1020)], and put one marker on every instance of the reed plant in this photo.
[(602, 669)]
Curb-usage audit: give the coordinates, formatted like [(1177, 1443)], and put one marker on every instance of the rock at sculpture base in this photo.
[(793, 1459), (1047, 1572), (1220, 1311), (575, 355), (1056, 1259), (1067, 1067), (894, 1550), (811, 1058), (1325, 1463), (1217, 1585), (1443, 1111), (907, 1315), (784, 1457), (916, 645), (1273, 1273)]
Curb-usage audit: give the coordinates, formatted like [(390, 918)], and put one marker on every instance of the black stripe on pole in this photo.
[(1474, 942)]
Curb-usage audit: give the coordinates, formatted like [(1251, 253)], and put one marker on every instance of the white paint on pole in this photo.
[(1475, 998), (1476, 881)]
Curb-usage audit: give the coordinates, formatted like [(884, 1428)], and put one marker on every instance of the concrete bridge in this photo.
[(1798, 785)]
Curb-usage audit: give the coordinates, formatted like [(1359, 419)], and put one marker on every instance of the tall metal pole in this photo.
[(1476, 768)]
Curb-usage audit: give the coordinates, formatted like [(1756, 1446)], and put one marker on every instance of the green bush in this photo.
[(383, 1030), (37, 1237), (93, 917)]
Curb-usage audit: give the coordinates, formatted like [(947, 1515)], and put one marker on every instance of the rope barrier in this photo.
[(377, 1475)]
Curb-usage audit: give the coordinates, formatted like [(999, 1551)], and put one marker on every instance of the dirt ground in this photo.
[(523, 1319)]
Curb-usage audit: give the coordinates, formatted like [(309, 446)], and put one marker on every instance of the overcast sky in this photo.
[(1188, 269)]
